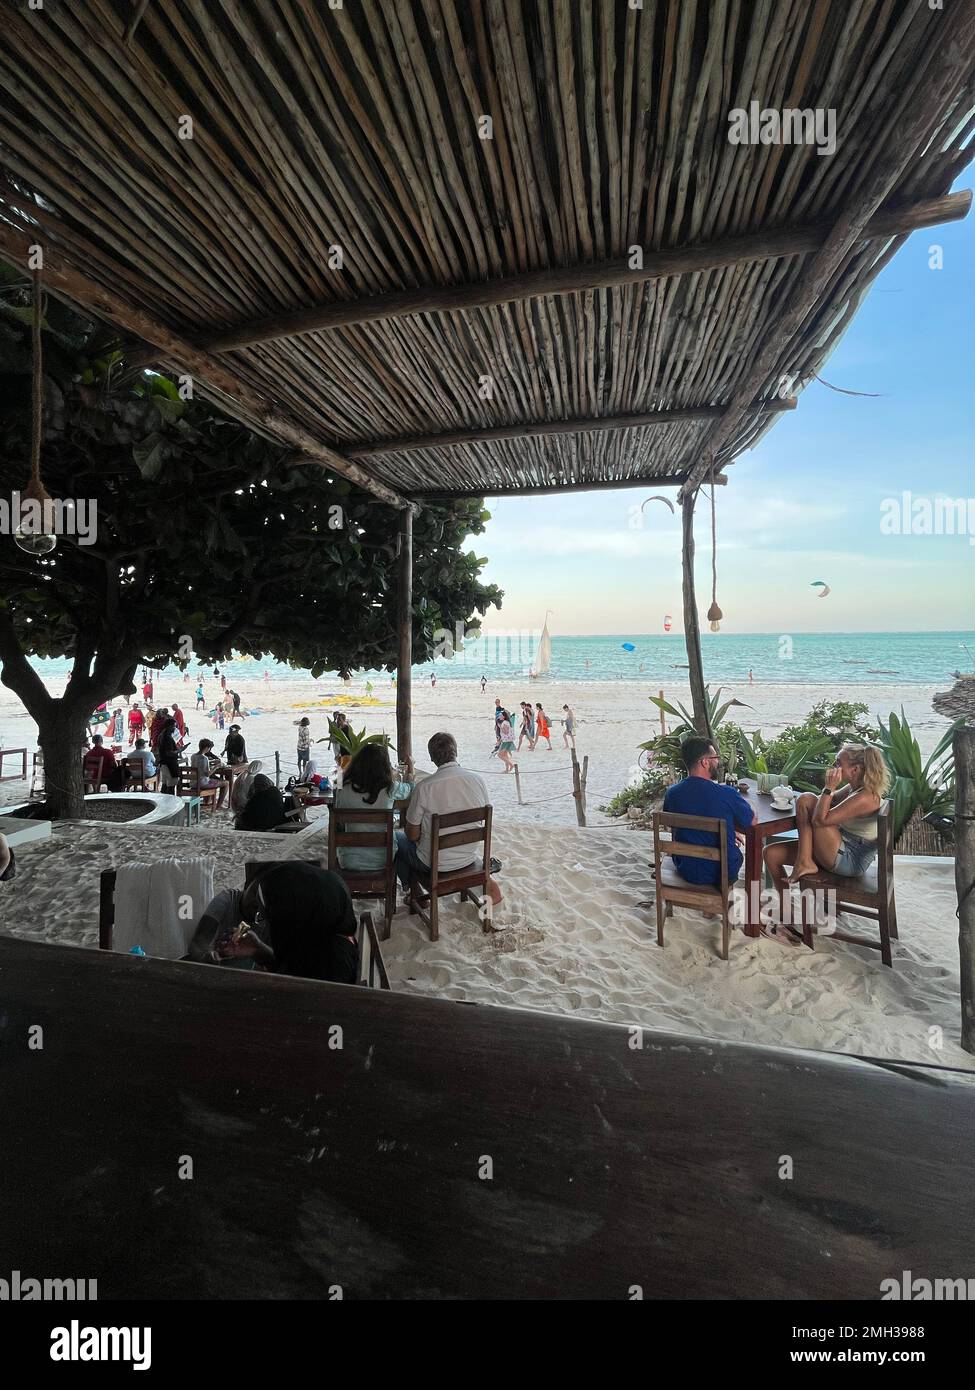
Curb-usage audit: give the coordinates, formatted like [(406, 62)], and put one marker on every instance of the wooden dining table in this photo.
[(769, 820)]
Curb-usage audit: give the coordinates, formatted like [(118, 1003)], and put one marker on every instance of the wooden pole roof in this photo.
[(402, 236)]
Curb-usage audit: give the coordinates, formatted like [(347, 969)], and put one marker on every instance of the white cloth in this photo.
[(451, 788), (158, 905)]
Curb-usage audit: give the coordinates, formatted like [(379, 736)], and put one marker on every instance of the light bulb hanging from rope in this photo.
[(714, 612), (39, 539)]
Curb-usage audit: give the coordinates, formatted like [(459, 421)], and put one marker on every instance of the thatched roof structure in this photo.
[(959, 701), (487, 289)]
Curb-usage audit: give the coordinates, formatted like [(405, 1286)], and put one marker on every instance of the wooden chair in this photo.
[(135, 776), (672, 889), (425, 891), (188, 784), (37, 776), (91, 770), (374, 830), (871, 895)]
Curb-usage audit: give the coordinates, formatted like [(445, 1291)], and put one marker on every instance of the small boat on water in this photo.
[(854, 661), (880, 671)]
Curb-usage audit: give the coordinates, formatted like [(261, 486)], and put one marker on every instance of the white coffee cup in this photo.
[(783, 798)]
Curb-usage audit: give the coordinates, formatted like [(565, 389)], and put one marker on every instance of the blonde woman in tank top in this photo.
[(837, 828)]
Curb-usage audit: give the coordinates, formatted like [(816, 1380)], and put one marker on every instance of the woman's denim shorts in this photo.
[(854, 856)]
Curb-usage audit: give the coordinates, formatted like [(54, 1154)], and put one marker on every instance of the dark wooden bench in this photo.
[(449, 1151)]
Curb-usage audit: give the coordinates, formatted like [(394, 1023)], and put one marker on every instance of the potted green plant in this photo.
[(350, 742)]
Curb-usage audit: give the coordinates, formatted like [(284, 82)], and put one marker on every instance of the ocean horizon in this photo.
[(823, 658)]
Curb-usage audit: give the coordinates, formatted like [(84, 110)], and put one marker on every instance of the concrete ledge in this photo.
[(161, 809), (27, 831)]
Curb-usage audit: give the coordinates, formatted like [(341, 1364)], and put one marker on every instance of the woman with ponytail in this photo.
[(837, 828)]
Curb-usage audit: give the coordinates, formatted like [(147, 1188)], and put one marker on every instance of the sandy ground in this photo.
[(576, 939), (614, 717)]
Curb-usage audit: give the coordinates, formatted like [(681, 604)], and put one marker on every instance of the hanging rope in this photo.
[(714, 612), (36, 384)]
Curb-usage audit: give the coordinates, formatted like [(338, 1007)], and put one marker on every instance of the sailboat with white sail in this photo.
[(543, 654)]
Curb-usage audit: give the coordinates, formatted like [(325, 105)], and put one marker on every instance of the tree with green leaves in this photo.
[(209, 540)]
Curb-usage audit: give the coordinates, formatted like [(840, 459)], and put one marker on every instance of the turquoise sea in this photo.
[(820, 658)]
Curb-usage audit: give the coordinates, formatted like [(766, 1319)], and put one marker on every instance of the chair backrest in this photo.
[(674, 820), (135, 769), (378, 838), (187, 780), (477, 823), (168, 937), (92, 769)]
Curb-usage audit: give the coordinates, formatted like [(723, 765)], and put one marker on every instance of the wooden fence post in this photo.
[(585, 778), (518, 785), (277, 769), (577, 789), (964, 749)]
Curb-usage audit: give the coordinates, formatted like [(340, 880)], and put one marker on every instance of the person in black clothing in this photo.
[(234, 748), (304, 924), (167, 753), (264, 809)]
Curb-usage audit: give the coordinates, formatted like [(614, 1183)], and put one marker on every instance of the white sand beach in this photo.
[(613, 718), (574, 938)]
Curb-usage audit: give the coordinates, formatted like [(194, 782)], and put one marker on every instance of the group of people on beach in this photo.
[(298, 919), (533, 725)]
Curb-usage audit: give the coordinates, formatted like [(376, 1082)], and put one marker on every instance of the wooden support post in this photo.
[(577, 789), (404, 654), (964, 750), (277, 769), (692, 630), (585, 779), (518, 785)]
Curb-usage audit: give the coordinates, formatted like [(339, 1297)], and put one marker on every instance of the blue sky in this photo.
[(804, 505)]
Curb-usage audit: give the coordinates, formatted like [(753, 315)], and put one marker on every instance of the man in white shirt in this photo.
[(451, 788)]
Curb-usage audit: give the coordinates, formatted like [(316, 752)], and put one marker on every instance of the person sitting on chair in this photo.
[(451, 788), (209, 768), (301, 922), (264, 808), (701, 794), (143, 754), (369, 785), (838, 828), (108, 770)]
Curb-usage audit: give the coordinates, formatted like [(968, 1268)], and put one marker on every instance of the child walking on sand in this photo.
[(569, 725), (507, 745)]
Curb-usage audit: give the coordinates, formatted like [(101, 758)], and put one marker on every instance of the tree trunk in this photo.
[(964, 749), (61, 734), (692, 630), (404, 641)]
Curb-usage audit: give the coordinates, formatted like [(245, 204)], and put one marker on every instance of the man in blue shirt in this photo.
[(701, 795)]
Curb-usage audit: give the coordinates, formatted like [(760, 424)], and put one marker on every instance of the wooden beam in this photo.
[(66, 282), (404, 640), (692, 627), (430, 299), (531, 429), (923, 105), (554, 489)]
